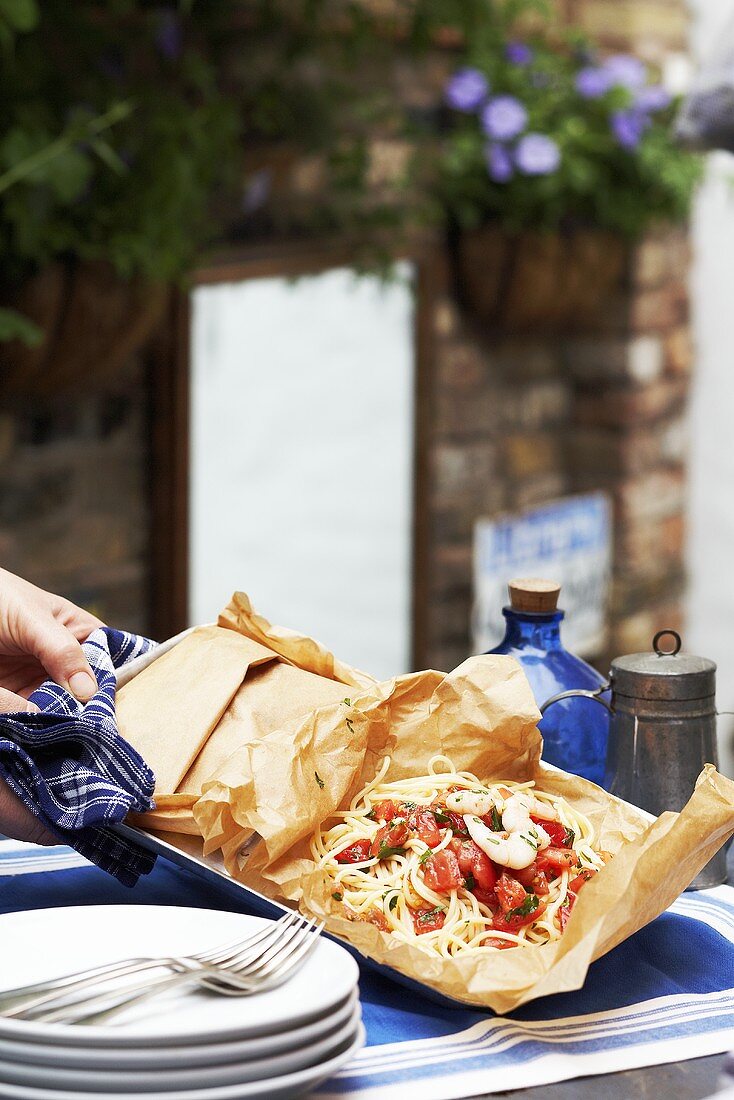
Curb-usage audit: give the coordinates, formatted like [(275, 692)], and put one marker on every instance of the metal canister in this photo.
[(663, 731)]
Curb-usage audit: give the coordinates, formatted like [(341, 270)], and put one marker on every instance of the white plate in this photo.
[(90, 935), (167, 1079), (274, 1088), (199, 1054)]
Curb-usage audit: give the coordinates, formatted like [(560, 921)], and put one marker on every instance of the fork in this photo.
[(37, 995), (244, 975)]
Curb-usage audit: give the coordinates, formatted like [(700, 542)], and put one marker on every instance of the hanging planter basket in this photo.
[(92, 323), (542, 283)]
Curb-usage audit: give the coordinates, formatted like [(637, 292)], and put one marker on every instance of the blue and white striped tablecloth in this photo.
[(665, 995)]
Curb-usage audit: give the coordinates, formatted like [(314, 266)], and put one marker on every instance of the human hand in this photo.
[(18, 822), (39, 640)]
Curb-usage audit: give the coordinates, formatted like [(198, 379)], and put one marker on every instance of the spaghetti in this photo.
[(457, 866)]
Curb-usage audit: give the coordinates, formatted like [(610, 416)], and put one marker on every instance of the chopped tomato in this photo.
[(578, 882), (355, 853), (449, 819), (560, 836), (442, 872), (526, 913), (533, 879), (510, 893), (424, 823), (565, 911), (385, 811), (369, 916), (485, 897), (495, 941), (482, 869), (427, 920), (557, 860), (389, 840)]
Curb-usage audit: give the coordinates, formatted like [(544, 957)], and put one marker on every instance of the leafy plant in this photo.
[(542, 133), (115, 136)]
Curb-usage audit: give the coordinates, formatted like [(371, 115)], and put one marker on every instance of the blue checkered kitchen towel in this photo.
[(71, 767)]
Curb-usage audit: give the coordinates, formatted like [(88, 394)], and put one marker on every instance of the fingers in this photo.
[(61, 655), (10, 703), (18, 822)]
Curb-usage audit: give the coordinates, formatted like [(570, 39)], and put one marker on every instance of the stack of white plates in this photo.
[(180, 1045)]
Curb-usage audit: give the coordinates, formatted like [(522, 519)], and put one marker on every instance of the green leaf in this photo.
[(425, 856), (428, 914), (529, 905), (385, 851), (22, 15), (337, 896), (392, 902), (14, 326), (497, 826)]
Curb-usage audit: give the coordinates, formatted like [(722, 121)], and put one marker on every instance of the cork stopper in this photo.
[(533, 594)]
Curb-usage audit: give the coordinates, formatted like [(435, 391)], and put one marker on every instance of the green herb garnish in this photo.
[(408, 807), (347, 702), (529, 905), (386, 851), (337, 896), (392, 902), (319, 780), (533, 844), (470, 882), (371, 815), (441, 817), (570, 837), (496, 820), (429, 914), (425, 856)]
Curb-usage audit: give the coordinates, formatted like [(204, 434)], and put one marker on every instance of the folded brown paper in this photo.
[(282, 783)]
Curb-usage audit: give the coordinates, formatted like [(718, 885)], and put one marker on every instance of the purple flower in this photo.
[(466, 90), (504, 117), (592, 83), (628, 127), (168, 37), (518, 53), (499, 163), (654, 97), (537, 155), (625, 71)]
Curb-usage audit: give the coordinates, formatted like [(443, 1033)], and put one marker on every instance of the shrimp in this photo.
[(518, 808), (471, 802), (512, 849)]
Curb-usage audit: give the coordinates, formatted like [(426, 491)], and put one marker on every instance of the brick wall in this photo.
[(521, 418), (74, 507)]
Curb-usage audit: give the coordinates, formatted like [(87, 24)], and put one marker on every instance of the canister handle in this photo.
[(596, 695)]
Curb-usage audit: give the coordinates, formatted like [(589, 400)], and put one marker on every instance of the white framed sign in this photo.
[(569, 541)]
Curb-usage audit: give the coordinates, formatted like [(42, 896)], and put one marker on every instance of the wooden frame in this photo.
[(170, 421)]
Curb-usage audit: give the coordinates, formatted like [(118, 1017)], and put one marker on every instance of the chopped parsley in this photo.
[(319, 780), (529, 905), (371, 815), (347, 702), (337, 896), (430, 914), (569, 837), (496, 820), (469, 882), (408, 807), (392, 902), (528, 840), (386, 851), (425, 856), (441, 817)]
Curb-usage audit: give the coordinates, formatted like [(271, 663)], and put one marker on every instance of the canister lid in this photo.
[(664, 673)]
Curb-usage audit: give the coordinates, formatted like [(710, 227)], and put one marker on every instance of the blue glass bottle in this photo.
[(575, 731)]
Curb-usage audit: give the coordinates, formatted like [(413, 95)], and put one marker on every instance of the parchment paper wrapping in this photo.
[(281, 784)]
